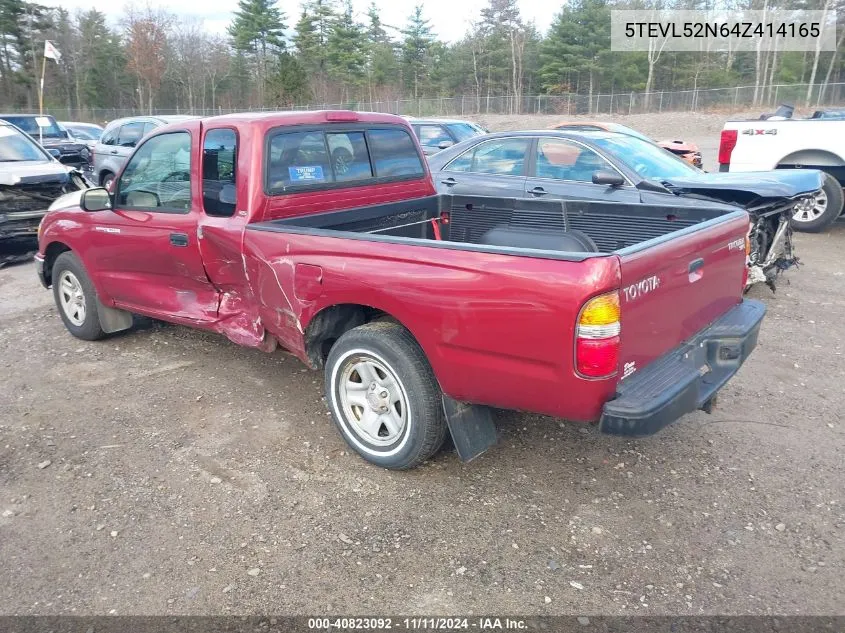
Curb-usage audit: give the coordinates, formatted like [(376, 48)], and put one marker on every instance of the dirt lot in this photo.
[(168, 471)]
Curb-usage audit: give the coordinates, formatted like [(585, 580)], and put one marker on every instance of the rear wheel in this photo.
[(106, 180), (383, 396), (818, 212), (76, 298)]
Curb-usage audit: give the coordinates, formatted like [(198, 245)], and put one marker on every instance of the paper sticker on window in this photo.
[(43, 121), (306, 174)]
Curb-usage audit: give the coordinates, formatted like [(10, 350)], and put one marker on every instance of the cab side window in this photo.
[(158, 176), (219, 160)]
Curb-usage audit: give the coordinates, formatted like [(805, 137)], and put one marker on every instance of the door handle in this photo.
[(696, 269), (538, 191), (179, 239), (114, 151), (449, 182)]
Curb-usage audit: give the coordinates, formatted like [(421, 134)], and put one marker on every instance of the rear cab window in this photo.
[(326, 157)]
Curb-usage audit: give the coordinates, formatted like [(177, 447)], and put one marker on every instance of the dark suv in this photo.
[(438, 134), (51, 136), (119, 139)]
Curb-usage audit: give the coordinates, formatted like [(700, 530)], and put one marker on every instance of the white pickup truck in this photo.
[(780, 142)]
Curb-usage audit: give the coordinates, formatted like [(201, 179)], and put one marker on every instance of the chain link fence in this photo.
[(730, 99)]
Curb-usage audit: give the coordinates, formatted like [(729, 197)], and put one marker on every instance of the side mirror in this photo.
[(54, 153), (97, 199), (608, 177), (445, 144)]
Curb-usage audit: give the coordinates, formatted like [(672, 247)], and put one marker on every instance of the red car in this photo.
[(422, 309)]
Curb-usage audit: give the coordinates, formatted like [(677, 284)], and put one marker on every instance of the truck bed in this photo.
[(484, 224)]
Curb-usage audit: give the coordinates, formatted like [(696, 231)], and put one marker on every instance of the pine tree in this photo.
[(416, 48), (310, 42), (258, 27), (382, 65), (258, 30), (576, 51), (347, 47), (289, 85)]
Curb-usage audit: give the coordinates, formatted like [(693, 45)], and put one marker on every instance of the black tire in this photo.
[(341, 159), (833, 194), (106, 179), (392, 347), (88, 328)]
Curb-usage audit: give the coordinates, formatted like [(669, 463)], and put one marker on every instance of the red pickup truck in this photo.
[(321, 232)]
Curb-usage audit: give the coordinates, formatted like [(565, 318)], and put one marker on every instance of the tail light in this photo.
[(341, 115), (747, 261), (597, 337), (727, 142)]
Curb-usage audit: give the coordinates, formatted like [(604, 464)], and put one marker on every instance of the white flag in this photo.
[(51, 52)]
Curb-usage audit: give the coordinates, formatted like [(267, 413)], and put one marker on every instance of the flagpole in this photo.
[(41, 101), (41, 91)]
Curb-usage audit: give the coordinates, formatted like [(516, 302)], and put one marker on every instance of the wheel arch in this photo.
[(103, 173), (332, 321), (51, 253), (811, 158)]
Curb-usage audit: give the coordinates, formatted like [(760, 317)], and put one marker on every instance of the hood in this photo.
[(32, 172), (678, 146), (68, 201), (749, 187), (53, 141)]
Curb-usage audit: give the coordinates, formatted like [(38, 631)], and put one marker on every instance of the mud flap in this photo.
[(471, 426), (113, 320)]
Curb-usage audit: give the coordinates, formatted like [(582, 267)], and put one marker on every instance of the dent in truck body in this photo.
[(451, 301)]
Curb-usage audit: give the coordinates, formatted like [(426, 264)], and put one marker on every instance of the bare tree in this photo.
[(827, 7), (146, 50), (217, 61), (188, 42)]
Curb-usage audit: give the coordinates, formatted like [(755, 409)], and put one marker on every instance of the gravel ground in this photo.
[(166, 471)]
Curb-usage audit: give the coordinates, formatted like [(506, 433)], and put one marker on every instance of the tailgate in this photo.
[(676, 285)]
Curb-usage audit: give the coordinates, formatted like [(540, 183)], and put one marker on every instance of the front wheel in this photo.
[(76, 298), (819, 211), (383, 396)]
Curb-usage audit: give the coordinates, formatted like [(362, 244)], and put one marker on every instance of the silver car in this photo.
[(119, 140)]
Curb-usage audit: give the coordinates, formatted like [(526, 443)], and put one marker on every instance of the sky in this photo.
[(450, 19)]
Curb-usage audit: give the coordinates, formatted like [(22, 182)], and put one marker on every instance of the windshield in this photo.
[(15, 147), (647, 159), (84, 133), (463, 131), (32, 124), (622, 129)]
